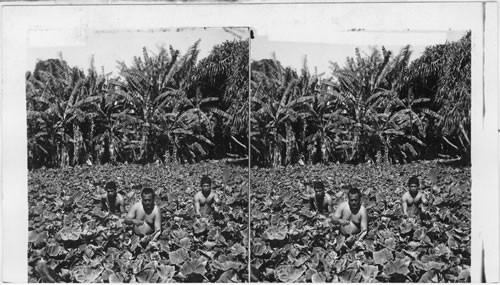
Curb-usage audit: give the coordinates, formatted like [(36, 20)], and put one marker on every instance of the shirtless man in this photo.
[(145, 216), (352, 216), (112, 201), (319, 200), (204, 199), (412, 199)]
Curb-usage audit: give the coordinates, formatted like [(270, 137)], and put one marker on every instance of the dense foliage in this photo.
[(290, 243), (377, 107), (72, 240), (166, 106)]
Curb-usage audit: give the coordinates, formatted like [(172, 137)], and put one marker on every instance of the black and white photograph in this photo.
[(362, 155), (137, 166), (249, 142)]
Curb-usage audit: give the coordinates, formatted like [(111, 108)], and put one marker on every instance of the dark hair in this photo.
[(413, 180), (111, 185), (318, 185), (147, 191), (205, 180), (354, 191)]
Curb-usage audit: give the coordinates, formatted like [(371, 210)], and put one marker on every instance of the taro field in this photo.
[(72, 240), (291, 244)]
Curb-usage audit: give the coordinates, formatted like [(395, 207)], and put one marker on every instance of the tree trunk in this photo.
[(290, 142), (324, 152), (91, 152), (276, 155), (143, 146), (77, 143), (112, 147), (64, 156)]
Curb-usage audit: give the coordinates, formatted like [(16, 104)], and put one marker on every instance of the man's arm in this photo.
[(122, 205), (197, 205), (158, 220), (404, 205), (424, 199), (216, 199), (104, 205), (130, 218), (338, 215), (330, 205), (364, 223)]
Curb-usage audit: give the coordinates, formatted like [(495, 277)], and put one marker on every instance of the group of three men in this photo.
[(145, 215), (351, 215)]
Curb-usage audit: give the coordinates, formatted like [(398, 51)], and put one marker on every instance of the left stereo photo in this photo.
[(138, 156)]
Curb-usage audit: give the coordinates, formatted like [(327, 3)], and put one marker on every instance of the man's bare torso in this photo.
[(113, 206), (205, 202), (413, 203), (321, 206), (354, 226), (148, 218)]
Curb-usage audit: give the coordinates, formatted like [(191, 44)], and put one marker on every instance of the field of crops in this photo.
[(72, 240), (291, 244)]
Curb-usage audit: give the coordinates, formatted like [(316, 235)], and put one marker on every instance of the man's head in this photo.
[(111, 188), (354, 199), (148, 199), (205, 184), (319, 187), (413, 184)]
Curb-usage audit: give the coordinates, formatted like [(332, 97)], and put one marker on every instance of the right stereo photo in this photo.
[(361, 154)]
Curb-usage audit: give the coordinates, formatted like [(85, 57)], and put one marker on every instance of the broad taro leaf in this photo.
[(452, 242), (166, 272), (226, 265), (318, 278), (275, 233), (179, 256), (429, 265), (199, 227), (238, 249), (145, 275), (350, 275), (105, 274), (134, 242), (442, 250), (209, 244), (44, 272), (405, 227), (369, 272), (86, 274), (464, 275), (309, 273), (164, 245), (227, 277), (68, 233), (194, 267), (184, 242), (398, 266), (33, 236), (390, 243), (300, 260), (258, 249), (288, 273), (179, 234), (382, 256), (55, 250), (428, 277)]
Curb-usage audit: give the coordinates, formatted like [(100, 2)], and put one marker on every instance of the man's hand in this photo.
[(138, 222), (344, 222)]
